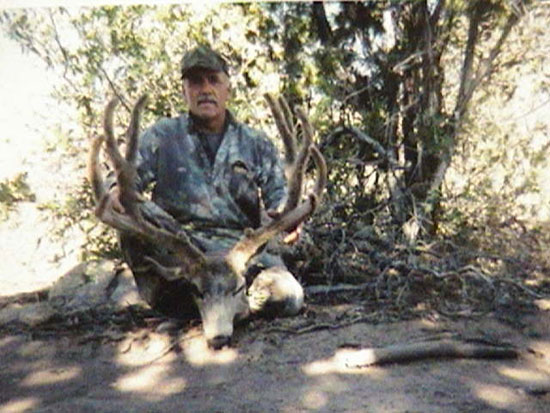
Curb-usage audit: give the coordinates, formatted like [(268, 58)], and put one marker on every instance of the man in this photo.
[(207, 170)]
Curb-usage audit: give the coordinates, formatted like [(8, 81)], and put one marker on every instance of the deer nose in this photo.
[(218, 342)]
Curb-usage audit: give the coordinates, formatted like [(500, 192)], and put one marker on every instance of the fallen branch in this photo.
[(320, 326), (335, 289), (537, 390), (405, 353)]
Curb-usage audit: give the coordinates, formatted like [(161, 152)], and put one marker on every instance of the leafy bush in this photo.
[(13, 191)]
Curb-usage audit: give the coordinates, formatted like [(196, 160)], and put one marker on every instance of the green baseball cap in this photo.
[(205, 57)]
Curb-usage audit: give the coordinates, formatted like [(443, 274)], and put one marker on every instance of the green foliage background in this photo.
[(408, 98)]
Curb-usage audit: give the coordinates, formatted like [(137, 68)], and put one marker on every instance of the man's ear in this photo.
[(183, 92), (228, 81)]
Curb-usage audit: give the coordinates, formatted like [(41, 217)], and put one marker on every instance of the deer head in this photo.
[(216, 279)]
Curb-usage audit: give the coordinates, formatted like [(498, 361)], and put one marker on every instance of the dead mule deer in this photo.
[(217, 279)]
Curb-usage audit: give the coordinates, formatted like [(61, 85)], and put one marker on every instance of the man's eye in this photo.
[(194, 79), (213, 79)]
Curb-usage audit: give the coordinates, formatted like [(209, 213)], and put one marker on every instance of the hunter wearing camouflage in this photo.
[(208, 171)]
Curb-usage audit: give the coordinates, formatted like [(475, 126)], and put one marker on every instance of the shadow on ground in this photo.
[(286, 365)]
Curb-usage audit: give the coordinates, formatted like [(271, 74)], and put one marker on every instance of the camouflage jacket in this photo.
[(197, 189)]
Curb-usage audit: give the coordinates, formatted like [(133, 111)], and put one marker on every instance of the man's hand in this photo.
[(114, 200), (292, 236)]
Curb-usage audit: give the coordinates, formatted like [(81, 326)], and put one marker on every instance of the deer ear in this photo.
[(251, 273)]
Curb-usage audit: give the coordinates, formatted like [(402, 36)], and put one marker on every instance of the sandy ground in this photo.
[(288, 365)]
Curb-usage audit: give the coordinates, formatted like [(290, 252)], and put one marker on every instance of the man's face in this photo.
[(206, 93)]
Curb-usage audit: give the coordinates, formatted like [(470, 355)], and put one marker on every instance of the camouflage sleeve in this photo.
[(272, 179)]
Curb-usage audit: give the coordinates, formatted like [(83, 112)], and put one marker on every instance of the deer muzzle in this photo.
[(218, 316)]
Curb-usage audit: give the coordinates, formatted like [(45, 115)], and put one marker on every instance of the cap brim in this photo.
[(185, 72)]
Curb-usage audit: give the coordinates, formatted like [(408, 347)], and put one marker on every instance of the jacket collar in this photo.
[(192, 125)]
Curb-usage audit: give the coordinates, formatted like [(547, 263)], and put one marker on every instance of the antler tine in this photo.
[(133, 129), (298, 169), (321, 165), (306, 126), (282, 122), (126, 174), (94, 176), (112, 147), (287, 113)]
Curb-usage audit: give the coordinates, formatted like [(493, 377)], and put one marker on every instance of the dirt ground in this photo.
[(134, 361)]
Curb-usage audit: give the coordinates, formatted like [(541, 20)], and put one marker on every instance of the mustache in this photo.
[(206, 99)]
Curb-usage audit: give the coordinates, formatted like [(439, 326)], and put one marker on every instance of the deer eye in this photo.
[(196, 292)]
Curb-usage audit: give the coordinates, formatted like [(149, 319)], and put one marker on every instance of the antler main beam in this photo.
[(131, 219), (295, 210)]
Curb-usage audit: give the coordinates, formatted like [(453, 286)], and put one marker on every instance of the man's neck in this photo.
[(216, 125)]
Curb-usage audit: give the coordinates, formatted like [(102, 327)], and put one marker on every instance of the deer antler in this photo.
[(295, 211), (132, 219)]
